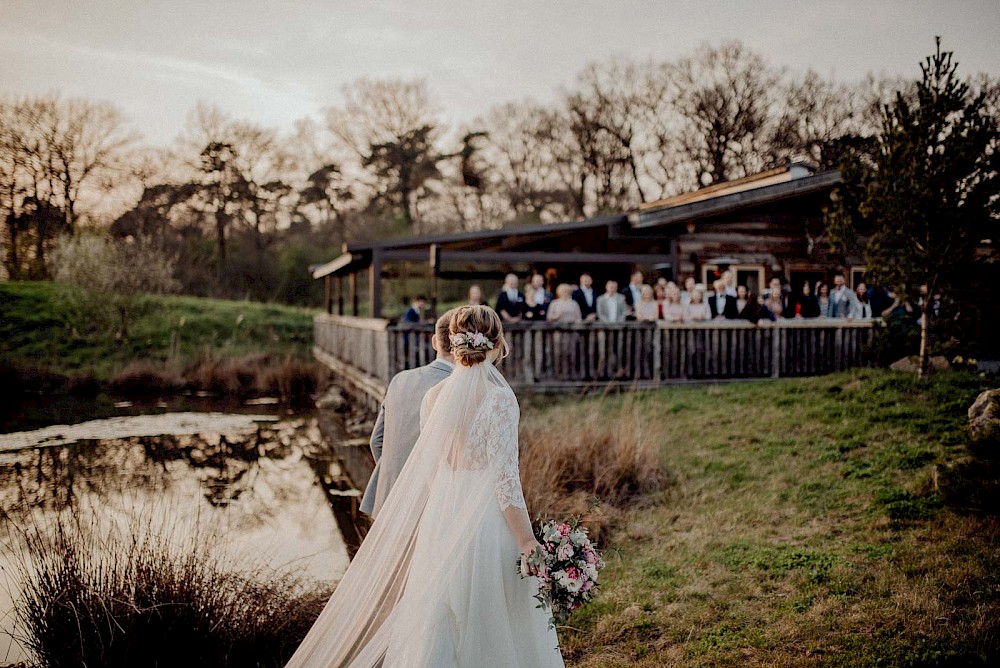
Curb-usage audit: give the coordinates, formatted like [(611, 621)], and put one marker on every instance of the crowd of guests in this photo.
[(665, 300)]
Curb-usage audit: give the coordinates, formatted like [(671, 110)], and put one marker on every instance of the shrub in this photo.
[(108, 280), (138, 598)]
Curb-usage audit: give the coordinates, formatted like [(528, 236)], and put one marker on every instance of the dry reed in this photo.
[(143, 377), (294, 380), (594, 460)]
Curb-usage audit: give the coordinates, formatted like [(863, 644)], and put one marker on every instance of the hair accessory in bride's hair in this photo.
[(474, 340)]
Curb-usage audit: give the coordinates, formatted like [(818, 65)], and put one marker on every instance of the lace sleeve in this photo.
[(496, 434)]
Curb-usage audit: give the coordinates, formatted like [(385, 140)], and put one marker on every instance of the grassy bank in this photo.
[(829, 521), (204, 343)]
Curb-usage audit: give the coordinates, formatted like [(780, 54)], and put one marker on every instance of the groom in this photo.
[(398, 424)]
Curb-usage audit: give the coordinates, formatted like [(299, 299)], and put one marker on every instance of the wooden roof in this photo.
[(745, 195), (783, 183), (766, 178)]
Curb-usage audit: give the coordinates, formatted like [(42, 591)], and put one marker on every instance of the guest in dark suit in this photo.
[(746, 305), (721, 304), (510, 301), (415, 313), (542, 296), (536, 299), (535, 306), (586, 298), (633, 293), (879, 298)]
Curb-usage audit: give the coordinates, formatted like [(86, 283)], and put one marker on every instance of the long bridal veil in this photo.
[(467, 444)]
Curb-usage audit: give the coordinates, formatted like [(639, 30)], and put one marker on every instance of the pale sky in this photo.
[(273, 62)]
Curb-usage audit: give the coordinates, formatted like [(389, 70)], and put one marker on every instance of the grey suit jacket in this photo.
[(604, 308), (845, 305), (397, 428)]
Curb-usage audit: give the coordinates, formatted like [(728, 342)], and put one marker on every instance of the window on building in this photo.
[(750, 275)]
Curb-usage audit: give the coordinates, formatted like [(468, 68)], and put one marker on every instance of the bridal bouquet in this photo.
[(566, 565)]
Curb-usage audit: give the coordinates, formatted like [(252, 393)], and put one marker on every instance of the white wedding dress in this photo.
[(435, 582)]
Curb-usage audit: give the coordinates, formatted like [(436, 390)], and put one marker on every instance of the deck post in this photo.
[(328, 293), (435, 268), (353, 280), (776, 338), (340, 295), (375, 284)]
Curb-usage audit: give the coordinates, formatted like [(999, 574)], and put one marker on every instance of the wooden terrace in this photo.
[(549, 357)]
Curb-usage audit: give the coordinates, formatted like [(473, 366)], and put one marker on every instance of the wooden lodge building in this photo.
[(761, 226)]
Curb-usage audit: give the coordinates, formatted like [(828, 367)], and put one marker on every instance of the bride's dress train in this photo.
[(435, 582)]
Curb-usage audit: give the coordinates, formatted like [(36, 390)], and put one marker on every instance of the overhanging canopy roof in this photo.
[(340, 265), (580, 242), (734, 201), (462, 238)]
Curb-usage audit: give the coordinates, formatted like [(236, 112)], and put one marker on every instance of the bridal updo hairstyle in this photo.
[(442, 332), (481, 319)]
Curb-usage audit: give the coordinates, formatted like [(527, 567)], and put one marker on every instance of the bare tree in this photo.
[(609, 108), (377, 111), (88, 142), (244, 171), (392, 126), (53, 152), (819, 117), (10, 168), (725, 97), (536, 161), (266, 170)]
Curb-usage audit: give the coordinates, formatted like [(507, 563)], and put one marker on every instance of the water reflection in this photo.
[(260, 491)]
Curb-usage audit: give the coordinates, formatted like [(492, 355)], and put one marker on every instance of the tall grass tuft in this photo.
[(593, 460), (296, 381), (143, 377), (292, 379), (135, 597)]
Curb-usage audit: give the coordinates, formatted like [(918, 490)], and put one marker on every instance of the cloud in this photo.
[(165, 65)]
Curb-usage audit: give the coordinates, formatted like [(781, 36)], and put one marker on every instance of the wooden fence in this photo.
[(560, 356)]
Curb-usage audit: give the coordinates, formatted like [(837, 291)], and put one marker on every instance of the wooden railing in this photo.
[(550, 355), (354, 347)]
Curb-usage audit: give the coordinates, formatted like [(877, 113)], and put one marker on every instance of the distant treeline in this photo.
[(241, 209)]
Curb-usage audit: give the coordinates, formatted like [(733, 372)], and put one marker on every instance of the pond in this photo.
[(258, 482)]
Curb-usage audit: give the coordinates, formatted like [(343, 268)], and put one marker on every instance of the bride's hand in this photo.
[(527, 549)]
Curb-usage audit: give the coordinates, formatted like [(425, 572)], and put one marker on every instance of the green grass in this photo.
[(38, 328), (801, 527)]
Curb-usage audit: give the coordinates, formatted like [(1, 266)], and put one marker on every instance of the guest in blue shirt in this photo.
[(415, 312)]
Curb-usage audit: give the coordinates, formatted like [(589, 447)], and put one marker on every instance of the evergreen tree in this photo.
[(923, 205)]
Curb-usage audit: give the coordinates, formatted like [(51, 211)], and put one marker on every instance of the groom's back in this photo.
[(398, 427)]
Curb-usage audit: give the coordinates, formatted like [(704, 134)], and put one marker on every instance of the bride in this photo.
[(435, 582)]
